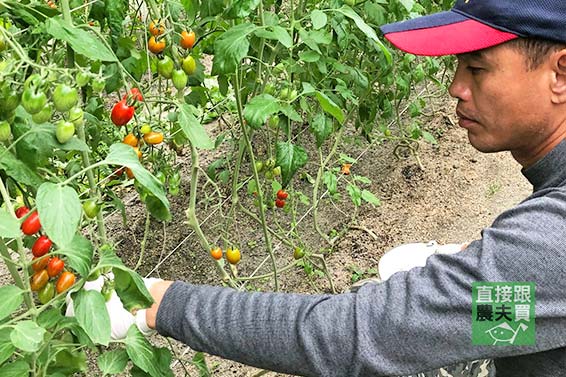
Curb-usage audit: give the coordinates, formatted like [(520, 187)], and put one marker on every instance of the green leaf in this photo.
[(92, 315), (141, 352), (282, 35), (428, 137), (11, 298), (131, 289), (124, 155), (260, 108), (408, 4), (291, 158), (81, 41), (370, 198), (330, 181), (9, 225), (79, 253), (113, 362), (18, 169), (49, 318), (366, 29), (200, 362), (60, 211), (108, 258), (242, 8), (319, 19), (291, 113), (27, 336), (330, 107), (321, 127), (355, 194), (193, 130), (6, 347), (68, 362), (230, 48), (18, 368), (309, 56)]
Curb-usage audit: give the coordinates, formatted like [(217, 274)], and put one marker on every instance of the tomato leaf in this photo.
[(366, 29), (113, 362), (79, 253), (291, 158), (18, 169), (9, 225), (322, 127), (131, 289), (18, 368), (124, 155), (242, 8), (11, 298), (370, 198), (27, 336), (330, 107), (193, 130), (200, 362), (319, 19), (60, 211), (230, 48), (145, 356), (81, 41), (6, 347), (92, 315), (260, 108)]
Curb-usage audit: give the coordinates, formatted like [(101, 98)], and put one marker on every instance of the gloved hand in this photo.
[(120, 319)]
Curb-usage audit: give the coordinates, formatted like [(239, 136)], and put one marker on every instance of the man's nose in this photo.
[(460, 88)]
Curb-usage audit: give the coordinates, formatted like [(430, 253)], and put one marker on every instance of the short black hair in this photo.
[(535, 50)]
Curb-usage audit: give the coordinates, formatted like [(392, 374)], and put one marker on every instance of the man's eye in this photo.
[(474, 70)]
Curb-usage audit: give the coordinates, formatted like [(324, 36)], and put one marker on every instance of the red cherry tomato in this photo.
[(279, 203), (122, 113), (282, 195), (31, 224), (55, 266), (21, 212), (41, 246)]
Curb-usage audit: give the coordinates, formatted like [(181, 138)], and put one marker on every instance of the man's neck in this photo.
[(529, 158)]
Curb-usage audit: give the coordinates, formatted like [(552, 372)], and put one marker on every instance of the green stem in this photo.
[(12, 266), (144, 241), (256, 177), (235, 183)]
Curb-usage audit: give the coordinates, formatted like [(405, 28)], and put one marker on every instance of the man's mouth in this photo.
[(465, 120)]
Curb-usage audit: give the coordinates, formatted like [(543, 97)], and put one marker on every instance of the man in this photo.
[(511, 89)]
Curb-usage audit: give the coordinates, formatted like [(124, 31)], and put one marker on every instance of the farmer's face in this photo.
[(502, 104)]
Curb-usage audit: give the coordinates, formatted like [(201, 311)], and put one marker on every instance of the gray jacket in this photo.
[(415, 321)]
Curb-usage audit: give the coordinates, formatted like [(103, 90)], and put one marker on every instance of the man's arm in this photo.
[(416, 321)]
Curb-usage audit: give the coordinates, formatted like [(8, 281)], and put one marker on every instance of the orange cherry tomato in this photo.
[(156, 28), (65, 281), (216, 253), (188, 39), (39, 264), (156, 46), (153, 138), (233, 256), (345, 169), (38, 280), (129, 173), (130, 139)]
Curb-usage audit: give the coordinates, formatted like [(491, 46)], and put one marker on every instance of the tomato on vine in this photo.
[(233, 256), (65, 131), (153, 138), (189, 65), (298, 253), (165, 67), (46, 293), (156, 45), (82, 79), (180, 79), (31, 224), (33, 100), (76, 116), (65, 281), (98, 85), (39, 280), (345, 169), (22, 211), (146, 128), (55, 266), (91, 208), (279, 203), (65, 97), (130, 173), (216, 253), (188, 39), (156, 27), (122, 113), (5, 131), (130, 139), (44, 115), (41, 246), (282, 194), (39, 264)]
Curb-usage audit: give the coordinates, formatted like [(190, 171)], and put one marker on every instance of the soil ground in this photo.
[(459, 192)]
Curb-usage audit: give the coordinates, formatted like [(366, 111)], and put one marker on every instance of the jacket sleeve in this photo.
[(414, 322)]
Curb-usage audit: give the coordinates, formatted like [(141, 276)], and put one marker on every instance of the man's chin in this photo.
[(482, 146)]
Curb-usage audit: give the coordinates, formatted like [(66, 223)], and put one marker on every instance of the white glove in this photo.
[(120, 319)]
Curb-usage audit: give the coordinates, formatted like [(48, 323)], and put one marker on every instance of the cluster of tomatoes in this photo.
[(166, 66), (233, 255), (282, 195), (35, 100), (45, 268)]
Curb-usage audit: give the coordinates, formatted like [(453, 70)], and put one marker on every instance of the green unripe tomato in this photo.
[(298, 253), (76, 115), (9, 100), (274, 121), (269, 89), (279, 68), (98, 85), (82, 79), (46, 293), (284, 94), (180, 79), (293, 95), (5, 131), (91, 208), (165, 67), (65, 97), (33, 101), (258, 166), (276, 171), (44, 115), (145, 129), (65, 131), (189, 65)]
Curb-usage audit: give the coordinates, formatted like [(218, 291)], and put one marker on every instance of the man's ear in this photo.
[(558, 84)]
